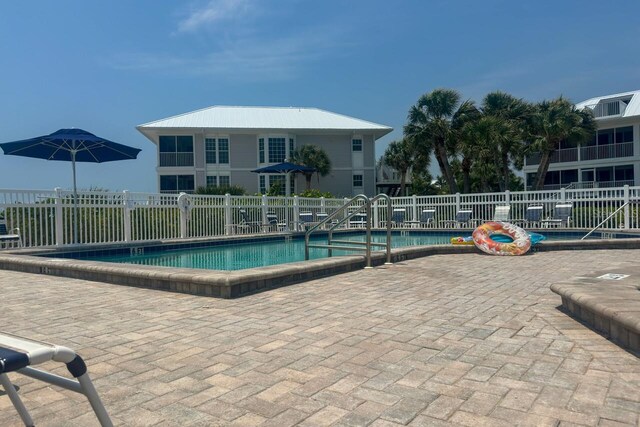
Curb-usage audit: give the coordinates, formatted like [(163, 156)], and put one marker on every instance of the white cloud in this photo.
[(254, 58), (213, 12)]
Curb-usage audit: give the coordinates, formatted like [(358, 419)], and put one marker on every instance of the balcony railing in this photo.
[(593, 152), (176, 159), (608, 151)]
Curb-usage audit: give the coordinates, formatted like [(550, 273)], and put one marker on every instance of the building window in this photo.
[(176, 183), (357, 181), (624, 173), (292, 147), (356, 144), (261, 150), (217, 150), (263, 184), (218, 180), (624, 134), (277, 150), (176, 150)]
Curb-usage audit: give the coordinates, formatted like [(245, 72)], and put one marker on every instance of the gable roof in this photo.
[(632, 109), (265, 119)]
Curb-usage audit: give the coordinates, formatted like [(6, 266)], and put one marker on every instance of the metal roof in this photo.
[(265, 118), (632, 109)]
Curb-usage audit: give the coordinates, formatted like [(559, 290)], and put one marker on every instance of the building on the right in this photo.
[(610, 159)]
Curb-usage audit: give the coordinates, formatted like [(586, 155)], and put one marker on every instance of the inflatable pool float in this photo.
[(462, 240), (483, 238)]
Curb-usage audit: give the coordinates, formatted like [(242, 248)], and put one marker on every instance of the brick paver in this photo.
[(444, 340)]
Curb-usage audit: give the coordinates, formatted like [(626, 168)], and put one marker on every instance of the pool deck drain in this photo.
[(608, 302)]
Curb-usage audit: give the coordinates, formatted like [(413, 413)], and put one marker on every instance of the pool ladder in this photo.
[(633, 202), (338, 218)]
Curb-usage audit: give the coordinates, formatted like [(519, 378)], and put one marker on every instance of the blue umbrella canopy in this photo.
[(71, 145), (284, 167)]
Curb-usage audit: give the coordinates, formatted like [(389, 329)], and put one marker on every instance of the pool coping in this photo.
[(233, 284)]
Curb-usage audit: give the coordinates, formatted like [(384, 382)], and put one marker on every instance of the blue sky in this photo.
[(109, 66)]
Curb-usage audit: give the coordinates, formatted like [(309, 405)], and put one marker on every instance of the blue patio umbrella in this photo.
[(285, 168), (71, 145)]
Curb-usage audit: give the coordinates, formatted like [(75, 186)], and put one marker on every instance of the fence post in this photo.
[(59, 219), (296, 213), (376, 220), (414, 205), (264, 209), (322, 206), (507, 197), (458, 207), (626, 208), (563, 194), (126, 215), (227, 215), (183, 202)]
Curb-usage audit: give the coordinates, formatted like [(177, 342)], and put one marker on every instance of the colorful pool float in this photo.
[(482, 238)]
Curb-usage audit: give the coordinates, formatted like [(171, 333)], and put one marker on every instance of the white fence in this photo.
[(51, 218)]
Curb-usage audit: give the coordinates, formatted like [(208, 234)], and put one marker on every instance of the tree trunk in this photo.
[(466, 176), (403, 182), (307, 177), (504, 185), (445, 167), (543, 167)]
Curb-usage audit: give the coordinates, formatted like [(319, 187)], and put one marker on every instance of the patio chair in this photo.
[(305, 220), (463, 217), (425, 219), (245, 223), (561, 215), (19, 354), (9, 237), (397, 219), (532, 216), (359, 220), (274, 223), (501, 213)]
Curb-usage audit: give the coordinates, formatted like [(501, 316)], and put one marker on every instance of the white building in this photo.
[(610, 159), (222, 145)]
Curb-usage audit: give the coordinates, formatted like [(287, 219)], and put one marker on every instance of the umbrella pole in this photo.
[(75, 198)]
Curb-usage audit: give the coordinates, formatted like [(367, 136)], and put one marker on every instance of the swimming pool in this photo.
[(254, 253), (86, 262)]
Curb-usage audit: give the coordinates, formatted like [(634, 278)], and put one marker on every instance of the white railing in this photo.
[(46, 218)]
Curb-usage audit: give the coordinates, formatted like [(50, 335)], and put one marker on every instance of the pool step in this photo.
[(351, 242), (337, 247)]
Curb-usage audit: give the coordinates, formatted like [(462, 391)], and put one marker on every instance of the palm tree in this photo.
[(552, 123), (512, 114), (400, 156), (429, 127), (314, 157)]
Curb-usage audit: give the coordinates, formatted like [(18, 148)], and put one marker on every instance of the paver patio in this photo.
[(444, 340)]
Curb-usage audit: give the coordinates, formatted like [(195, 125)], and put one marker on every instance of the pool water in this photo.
[(238, 256)]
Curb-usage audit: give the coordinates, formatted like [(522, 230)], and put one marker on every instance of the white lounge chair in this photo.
[(19, 354)]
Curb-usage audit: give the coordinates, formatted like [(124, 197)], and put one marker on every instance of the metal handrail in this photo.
[(336, 214), (605, 220)]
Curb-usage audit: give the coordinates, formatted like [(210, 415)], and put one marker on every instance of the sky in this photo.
[(109, 66)]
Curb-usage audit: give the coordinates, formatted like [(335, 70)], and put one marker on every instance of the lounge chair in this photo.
[(425, 219), (245, 224), (274, 223), (9, 237), (532, 216), (397, 219), (463, 217), (561, 215), (19, 354), (305, 220), (501, 213), (359, 220)]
